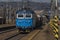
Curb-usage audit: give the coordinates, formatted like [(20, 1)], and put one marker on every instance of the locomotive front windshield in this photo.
[(26, 15)]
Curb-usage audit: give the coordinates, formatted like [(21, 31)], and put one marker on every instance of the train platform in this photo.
[(6, 25)]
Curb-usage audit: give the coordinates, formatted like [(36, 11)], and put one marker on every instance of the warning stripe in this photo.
[(55, 32), (54, 28), (56, 25), (55, 21), (50, 24), (56, 36)]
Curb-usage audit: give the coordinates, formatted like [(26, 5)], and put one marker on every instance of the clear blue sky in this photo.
[(30, 0)]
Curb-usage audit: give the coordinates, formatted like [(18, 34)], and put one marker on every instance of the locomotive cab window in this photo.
[(28, 15), (20, 16)]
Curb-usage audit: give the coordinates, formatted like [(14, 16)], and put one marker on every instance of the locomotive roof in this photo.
[(25, 11)]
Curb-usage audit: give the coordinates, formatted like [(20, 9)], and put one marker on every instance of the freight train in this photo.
[(26, 19)]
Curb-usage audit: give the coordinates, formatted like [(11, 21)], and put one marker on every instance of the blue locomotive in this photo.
[(26, 19)]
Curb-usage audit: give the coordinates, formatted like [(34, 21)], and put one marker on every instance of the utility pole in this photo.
[(7, 10), (54, 8), (51, 8)]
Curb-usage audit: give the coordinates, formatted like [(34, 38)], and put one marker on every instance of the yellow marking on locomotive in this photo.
[(27, 30)]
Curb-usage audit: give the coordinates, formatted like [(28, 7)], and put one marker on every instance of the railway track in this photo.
[(7, 30), (16, 37), (7, 33), (31, 35), (11, 34)]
